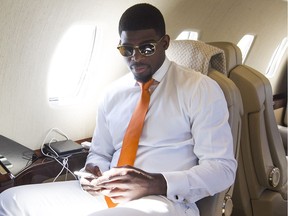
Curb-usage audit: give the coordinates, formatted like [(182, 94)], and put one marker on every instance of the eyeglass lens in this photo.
[(145, 49)]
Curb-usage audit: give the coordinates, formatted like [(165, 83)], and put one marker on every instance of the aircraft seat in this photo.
[(261, 182), (232, 54), (211, 61), (284, 131)]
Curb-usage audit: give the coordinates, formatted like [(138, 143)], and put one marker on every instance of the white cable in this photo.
[(65, 165), (56, 157)]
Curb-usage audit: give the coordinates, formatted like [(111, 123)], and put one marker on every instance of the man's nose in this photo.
[(137, 56)]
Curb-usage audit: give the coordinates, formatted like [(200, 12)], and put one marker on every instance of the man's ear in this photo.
[(166, 41)]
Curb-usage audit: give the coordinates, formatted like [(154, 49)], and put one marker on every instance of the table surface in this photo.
[(26, 171)]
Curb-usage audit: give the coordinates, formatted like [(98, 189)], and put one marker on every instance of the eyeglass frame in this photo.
[(154, 44)]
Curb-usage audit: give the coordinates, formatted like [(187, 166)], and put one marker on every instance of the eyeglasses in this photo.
[(146, 49)]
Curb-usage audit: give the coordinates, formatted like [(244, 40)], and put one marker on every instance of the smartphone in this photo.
[(3, 169), (5, 162), (84, 174)]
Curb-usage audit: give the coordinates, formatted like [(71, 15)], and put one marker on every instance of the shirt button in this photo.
[(176, 197)]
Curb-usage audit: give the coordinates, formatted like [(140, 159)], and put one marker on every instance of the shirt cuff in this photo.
[(177, 185)]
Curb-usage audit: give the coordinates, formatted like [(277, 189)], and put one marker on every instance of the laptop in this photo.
[(14, 156)]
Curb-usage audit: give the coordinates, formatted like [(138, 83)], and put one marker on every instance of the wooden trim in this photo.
[(279, 100), (84, 140), (45, 168)]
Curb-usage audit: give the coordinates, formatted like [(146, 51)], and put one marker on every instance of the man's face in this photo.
[(143, 67)]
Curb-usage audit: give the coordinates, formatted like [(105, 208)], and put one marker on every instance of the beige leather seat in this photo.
[(205, 58), (261, 182), (283, 129)]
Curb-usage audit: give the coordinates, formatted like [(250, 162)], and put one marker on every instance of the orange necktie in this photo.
[(133, 131)]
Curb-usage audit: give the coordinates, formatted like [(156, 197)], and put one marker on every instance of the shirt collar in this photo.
[(160, 73)]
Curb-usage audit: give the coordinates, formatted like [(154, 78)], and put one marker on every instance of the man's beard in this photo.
[(143, 79)]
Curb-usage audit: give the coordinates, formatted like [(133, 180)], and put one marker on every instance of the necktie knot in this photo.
[(146, 85)]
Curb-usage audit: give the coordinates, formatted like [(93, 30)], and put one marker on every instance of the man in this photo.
[(185, 151)]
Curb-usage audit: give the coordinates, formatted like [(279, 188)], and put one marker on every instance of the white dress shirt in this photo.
[(186, 135)]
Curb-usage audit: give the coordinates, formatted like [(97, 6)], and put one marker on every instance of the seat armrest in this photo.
[(283, 132)]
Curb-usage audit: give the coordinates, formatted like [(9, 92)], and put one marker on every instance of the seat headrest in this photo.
[(197, 55), (232, 52)]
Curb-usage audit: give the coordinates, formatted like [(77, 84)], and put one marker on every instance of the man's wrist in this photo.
[(159, 185)]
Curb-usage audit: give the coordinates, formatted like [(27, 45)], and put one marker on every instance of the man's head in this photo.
[(142, 16), (143, 40)]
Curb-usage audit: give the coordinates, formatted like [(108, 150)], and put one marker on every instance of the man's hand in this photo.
[(127, 183), (86, 182), (93, 169)]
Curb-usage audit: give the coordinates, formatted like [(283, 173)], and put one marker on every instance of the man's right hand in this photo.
[(86, 183), (93, 169)]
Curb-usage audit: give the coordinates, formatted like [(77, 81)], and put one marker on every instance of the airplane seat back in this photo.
[(211, 61), (283, 124), (232, 54), (283, 129), (261, 183)]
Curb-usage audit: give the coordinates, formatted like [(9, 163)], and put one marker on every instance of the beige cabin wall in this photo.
[(30, 31), (227, 20)]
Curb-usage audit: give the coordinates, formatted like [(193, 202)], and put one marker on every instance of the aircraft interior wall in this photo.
[(30, 32)]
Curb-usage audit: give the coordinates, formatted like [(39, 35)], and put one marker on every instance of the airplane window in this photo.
[(70, 64), (276, 58), (245, 45), (188, 35)]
